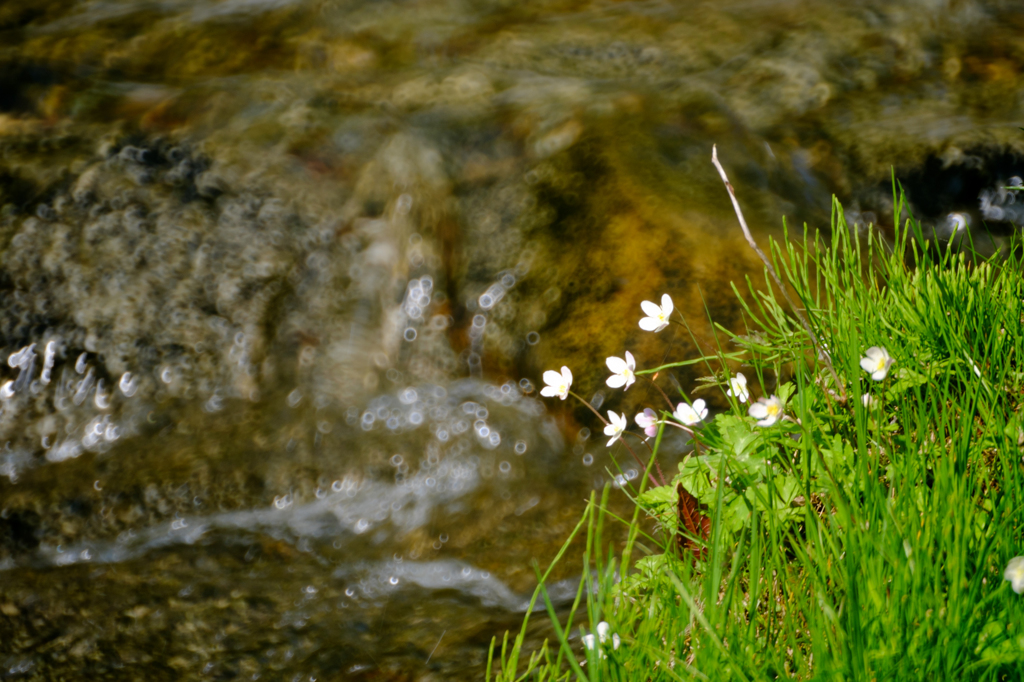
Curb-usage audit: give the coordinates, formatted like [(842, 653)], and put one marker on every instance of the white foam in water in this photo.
[(379, 579), (353, 507), (382, 511), (376, 579), (50, 354), (22, 358), (102, 398), (128, 385), (68, 449), (13, 461), (83, 387)]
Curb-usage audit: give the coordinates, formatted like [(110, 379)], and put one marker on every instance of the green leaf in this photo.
[(786, 391), (907, 379), (663, 495)]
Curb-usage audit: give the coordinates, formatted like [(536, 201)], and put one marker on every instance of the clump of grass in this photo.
[(858, 538)]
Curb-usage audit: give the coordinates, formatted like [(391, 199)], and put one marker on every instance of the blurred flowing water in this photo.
[(279, 279)]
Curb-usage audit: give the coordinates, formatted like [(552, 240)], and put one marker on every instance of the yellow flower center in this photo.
[(881, 363), (772, 409)]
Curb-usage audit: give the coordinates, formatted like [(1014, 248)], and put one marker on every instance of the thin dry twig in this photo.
[(771, 270)]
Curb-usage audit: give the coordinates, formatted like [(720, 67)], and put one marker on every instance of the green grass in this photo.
[(852, 542)]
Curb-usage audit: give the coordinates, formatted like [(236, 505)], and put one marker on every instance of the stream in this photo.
[(279, 279)]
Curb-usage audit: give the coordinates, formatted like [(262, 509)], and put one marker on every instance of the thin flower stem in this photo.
[(640, 463), (642, 440), (671, 407), (678, 426), (771, 270), (604, 421), (693, 436)]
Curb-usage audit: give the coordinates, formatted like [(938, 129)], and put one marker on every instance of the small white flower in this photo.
[(657, 316), (691, 414), (591, 642), (616, 426), (622, 371), (767, 410), (588, 642), (876, 362), (557, 384), (738, 388), (1015, 574), (869, 401), (648, 421)]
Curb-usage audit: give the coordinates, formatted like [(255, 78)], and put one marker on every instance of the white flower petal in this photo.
[(646, 419), (616, 426), (650, 308), (549, 391), (567, 375), (617, 365), (876, 362), (552, 378), (768, 410), (616, 380), (649, 324), (630, 362), (738, 388), (666, 305), (688, 415), (1015, 574)]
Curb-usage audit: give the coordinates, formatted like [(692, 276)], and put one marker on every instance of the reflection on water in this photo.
[(279, 279)]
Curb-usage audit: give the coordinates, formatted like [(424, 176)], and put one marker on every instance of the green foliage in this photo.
[(859, 538)]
